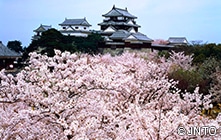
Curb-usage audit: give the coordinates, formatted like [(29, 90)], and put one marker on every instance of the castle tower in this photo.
[(120, 30)]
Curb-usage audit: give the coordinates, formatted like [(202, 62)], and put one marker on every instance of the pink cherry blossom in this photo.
[(79, 96)]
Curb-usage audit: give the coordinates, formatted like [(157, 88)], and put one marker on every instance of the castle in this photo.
[(119, 29)]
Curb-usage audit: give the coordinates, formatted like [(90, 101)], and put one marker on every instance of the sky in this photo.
[(159, 19)]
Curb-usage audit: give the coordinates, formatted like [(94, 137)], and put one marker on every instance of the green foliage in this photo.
[(206, 62), (53, 39), (87, 44), (201, 52), (165, 54), (50, 40), (15, 45), (199, 58), (189, 80), (208, 67), (206, 51), (188, 50), (200, 76)]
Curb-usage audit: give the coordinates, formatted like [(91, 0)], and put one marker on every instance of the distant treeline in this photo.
[(201, 52)]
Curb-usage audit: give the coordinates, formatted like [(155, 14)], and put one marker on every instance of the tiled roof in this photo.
[(46, 27), (43, 28), (6, 52), (123, 34), (118, 23), (120, 34), (115, 12), (140, 37), (75, 22), (178, 40)]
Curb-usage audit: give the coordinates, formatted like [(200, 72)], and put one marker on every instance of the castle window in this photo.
[(85, 28), (64, 27), (76, 27), (107, 18), (120, 18)]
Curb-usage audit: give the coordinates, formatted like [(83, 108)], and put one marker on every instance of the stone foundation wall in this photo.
[(119, 51)]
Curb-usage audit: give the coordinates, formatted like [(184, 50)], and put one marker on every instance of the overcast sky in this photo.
[(159, 19)]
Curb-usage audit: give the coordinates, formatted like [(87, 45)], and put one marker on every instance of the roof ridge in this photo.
[(75, 18), (177, 37), (121, 9), (81, 19), (76, 21), (118, 12), (46, 25)]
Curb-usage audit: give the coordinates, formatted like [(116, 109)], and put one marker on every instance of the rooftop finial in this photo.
[(114, 6), (126, 8)]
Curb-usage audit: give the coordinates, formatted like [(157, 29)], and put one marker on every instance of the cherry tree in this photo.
[(180, 60), (79, 96)]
